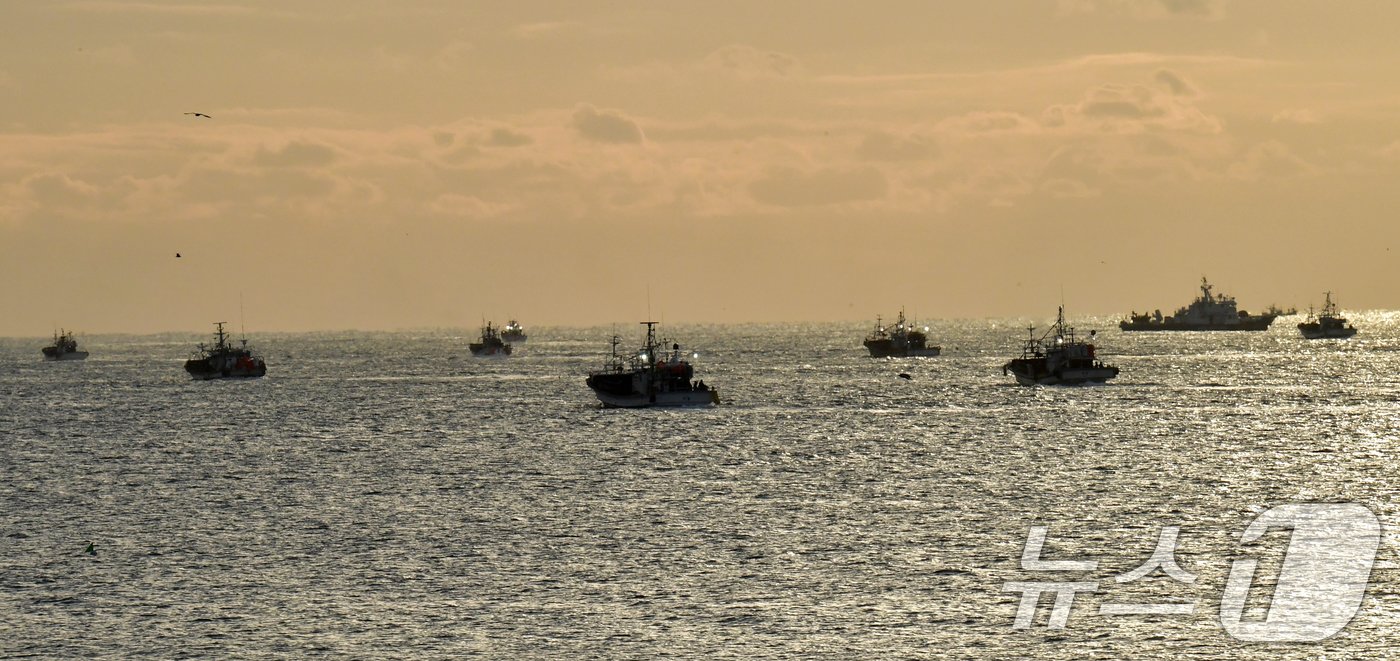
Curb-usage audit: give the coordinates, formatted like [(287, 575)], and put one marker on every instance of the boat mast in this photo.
[(652, 361), (650, 347)]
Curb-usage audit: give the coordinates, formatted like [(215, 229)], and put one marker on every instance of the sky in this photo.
[(372, 165)]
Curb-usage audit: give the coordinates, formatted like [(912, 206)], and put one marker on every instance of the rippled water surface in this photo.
[(385, 495)]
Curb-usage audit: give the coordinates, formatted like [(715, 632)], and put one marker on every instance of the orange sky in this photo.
[(373, 166)]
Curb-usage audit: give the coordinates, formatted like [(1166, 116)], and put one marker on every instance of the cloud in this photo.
[(730, 65), (1270, 160), (987, 122), (186, 9), (1115, 101), (1068, 189), (452, 56), (884, 146), (1295, 116), (502, 137), (608, 126), (543, 29), (116, 55), (1133, 108), (749, 63), (787, 187), (297, 154), (1001, 79), (466, 206), (1199, 8), (1104, 140), (59, 189), (1175, 83), (1146, 9)]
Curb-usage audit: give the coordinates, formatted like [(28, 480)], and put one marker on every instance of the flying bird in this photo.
[(199, 114)]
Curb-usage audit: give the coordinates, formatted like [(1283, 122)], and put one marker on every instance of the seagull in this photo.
[(199, 114)]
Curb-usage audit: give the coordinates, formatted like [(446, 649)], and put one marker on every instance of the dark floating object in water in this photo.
[(905, 375), (177, 255), (90, 550)]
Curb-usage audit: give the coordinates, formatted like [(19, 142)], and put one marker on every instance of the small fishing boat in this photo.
[(64, 347), (1058, 357), (902, 340), (650, 377), (514, 333), (223, 360), (1328, 324), (490, 344)]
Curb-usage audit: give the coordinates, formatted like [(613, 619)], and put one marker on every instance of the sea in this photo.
[(384, 495)]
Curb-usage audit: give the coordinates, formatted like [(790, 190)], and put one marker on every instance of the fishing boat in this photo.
[(650, 377), (1058, 357), (64, 347), (490, 344), (514, 333), (223, 360), (1328, 324), (901, 340), (1209, 312)]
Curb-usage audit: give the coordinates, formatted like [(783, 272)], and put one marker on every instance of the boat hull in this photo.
[(513, 338), (1254, 324), (1033, 373), (486, 351), (49, 354), (1326, 334), (679, 399), (208, 369), (626, 390), (888, 349)]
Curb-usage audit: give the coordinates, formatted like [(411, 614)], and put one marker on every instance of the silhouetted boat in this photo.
[(490, 344), (514, 333), (1058, 357), (1209, 312), (64, 347), (899, 341), (1329, 324), (650, 377), (223, 360)]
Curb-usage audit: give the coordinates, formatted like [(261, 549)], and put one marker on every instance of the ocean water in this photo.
[(385, 495)]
